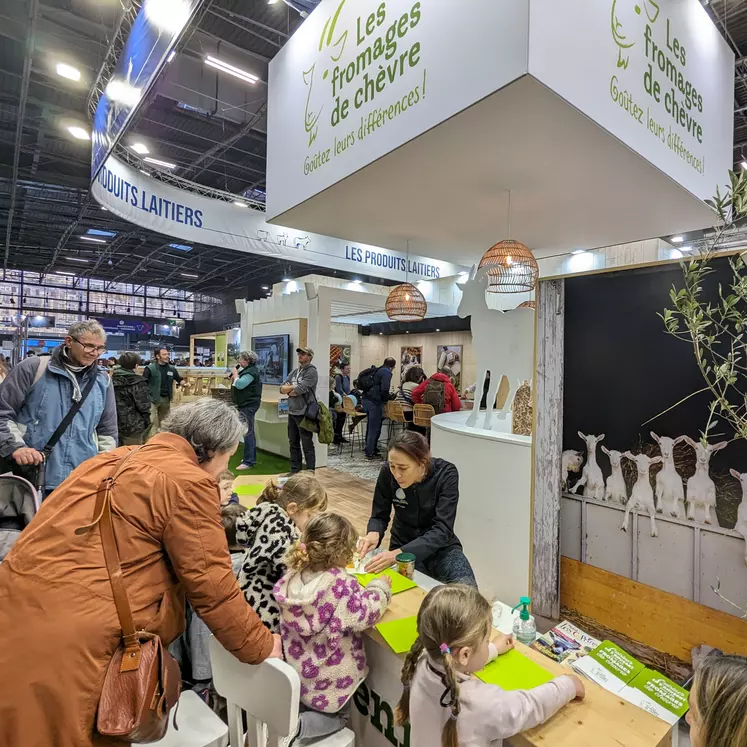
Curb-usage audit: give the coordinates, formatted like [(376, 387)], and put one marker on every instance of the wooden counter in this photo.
[(600, 720)]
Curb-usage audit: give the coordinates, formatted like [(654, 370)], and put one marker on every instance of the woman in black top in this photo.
[(424, 492)]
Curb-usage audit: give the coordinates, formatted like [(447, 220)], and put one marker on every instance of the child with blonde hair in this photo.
[(442, 701), (324, 611), (718, 702), (267, 531)]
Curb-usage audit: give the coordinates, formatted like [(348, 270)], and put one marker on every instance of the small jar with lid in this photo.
[(406, 564)]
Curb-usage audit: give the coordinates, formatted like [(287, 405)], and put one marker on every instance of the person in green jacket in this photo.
[(246, 392), (161, 377)]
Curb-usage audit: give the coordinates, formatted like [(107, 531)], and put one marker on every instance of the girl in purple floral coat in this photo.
[(323, 613)]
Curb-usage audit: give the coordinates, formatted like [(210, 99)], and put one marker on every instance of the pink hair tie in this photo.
[(302, 546), (444, 649)]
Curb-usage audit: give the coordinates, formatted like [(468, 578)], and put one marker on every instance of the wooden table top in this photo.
[(600, 720)]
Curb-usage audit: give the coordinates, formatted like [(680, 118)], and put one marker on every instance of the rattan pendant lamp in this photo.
[(510, 265), (405, 303)]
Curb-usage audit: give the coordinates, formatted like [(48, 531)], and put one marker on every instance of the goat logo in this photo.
[(623, 23), (331, 51)]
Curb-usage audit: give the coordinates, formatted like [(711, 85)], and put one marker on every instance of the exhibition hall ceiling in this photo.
[(210, 126)]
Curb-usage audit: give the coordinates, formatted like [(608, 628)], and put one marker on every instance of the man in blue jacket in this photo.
[(374, 400), (39, 392)]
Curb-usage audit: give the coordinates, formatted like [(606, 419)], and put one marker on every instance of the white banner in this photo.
[(656, 74), (360, 78), (188, 217)]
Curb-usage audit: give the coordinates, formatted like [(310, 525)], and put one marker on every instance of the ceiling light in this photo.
[(168, 15), (238, 203), (286, 280), (76, 259), (265, 287), (181, 247), (686, 249), (123, 92), (79, 133), (676, 254), (272, 2), (93, 239), (579, 251), (60, 272), (171, 56), (438, 330), (140, 148), (188, 275), (230, 69), (68, 71), (99, 232), (677, 239), (156, 162), (106, 210)]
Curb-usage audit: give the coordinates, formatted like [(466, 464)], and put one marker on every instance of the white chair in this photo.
[(269, 694), (198, 725)]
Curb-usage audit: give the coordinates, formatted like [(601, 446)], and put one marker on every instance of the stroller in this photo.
[(19, 502)]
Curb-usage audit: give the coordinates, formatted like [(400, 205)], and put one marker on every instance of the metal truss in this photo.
[(185, 184)]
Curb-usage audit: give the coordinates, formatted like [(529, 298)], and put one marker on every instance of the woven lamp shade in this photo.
[(511, 267), (406, 303), (528, 305)]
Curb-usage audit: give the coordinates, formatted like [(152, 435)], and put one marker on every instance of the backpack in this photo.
[(365, 380), (435, 395)]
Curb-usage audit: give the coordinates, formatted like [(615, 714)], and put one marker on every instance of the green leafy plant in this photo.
[(716, 329)]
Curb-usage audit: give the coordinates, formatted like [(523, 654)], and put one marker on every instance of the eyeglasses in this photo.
[(90, 348)]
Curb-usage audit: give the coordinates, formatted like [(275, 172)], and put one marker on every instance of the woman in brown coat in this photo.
[(58, 624)]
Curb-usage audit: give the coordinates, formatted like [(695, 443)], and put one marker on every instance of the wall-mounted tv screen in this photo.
[(274, 356)]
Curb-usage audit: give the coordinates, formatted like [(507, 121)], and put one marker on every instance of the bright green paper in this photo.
[(513, 671), (250, 489), (662, 691), (617, 661), (399, 634), (399, 582)]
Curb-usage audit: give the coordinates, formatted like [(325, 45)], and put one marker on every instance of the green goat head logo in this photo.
[(331, 51), (623, 23)]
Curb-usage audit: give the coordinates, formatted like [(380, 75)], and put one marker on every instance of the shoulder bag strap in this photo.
[(71, 413), (103, 517)]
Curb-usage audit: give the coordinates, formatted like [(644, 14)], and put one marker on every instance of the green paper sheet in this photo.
[(513, 671), (399, 634), (250, 489), (399, 582)]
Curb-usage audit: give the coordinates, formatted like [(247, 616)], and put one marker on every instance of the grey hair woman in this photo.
[(165, 512), (246, 393)]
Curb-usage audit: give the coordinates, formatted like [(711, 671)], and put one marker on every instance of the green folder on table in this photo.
[(251, 489), (399, 634), (514, 671), (399, 582)]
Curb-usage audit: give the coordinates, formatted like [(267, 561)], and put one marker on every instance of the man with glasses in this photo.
[(40, 391), (161, 377)]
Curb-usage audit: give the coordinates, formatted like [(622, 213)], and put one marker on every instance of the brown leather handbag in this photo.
[(143, 681)]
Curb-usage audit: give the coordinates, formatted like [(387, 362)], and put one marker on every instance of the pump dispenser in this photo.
[(525, 628)]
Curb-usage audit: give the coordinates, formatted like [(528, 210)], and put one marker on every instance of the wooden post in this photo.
[(548, 448)]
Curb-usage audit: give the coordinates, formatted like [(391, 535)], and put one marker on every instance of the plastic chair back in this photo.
[(269, 693)]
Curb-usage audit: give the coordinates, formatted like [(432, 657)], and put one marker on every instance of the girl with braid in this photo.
[(441, 700)]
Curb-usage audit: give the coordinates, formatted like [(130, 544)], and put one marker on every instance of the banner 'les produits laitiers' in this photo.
[(189, 217)]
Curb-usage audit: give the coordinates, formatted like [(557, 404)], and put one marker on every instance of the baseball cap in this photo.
[(308, 351)]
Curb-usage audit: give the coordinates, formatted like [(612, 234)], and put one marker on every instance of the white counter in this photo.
[(494, 521)]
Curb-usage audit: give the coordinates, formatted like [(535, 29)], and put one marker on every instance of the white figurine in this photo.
[(615, 490), (670, 495), (701, 490), (741, 525), (592, 480), (501, 340), (571, 461), (642, 497)]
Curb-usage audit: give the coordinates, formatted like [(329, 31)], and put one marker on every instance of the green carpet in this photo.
[(267, 464)]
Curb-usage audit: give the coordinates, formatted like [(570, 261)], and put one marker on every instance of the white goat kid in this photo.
[(741, 525), (571, 461), (592, 479), (701, 490), (670, 495), (615, 490), (642, 497)]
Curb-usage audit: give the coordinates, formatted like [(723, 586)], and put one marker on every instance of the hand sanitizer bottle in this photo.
[(525, 629)]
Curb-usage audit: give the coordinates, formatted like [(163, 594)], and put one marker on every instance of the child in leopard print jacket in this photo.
[(324, 612), (267, 531)]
